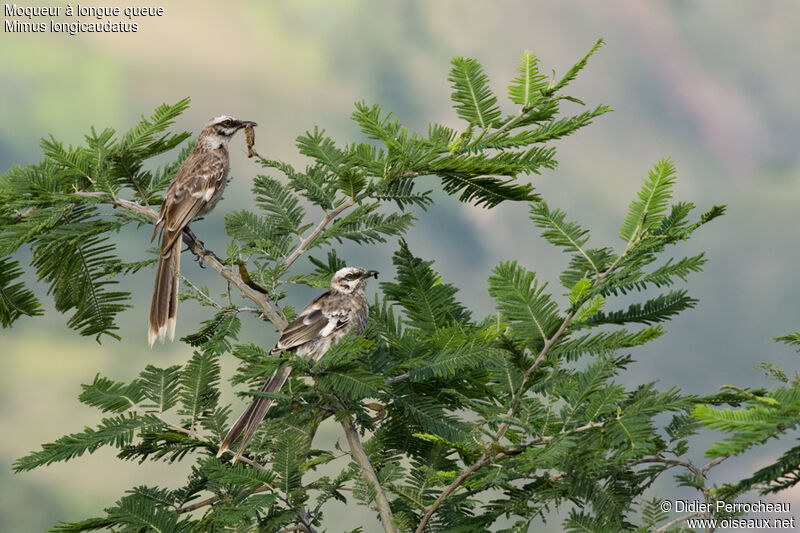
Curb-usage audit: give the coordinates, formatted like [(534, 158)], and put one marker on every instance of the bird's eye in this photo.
[(227, 123), (349, 276)]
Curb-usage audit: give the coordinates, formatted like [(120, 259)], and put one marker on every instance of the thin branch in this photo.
[(175, 427), (486, 459), (305, 520), (208, 257), (199, 250), (361, 457), (714, 462), (688, 465), (397, 379), (119, 202), (200, 293), (228, 292), (214, 499), (246, 460), (474, 467), (410, 174), (698, 471), (305, 243), (199, 505)]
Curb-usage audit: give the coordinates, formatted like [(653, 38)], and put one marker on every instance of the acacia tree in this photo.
[(452, 422)]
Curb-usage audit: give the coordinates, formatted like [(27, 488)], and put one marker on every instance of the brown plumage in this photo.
[(195, 190), (318, 327)]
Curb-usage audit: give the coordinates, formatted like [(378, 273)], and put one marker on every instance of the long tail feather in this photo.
[(247, 424), (164, 306)]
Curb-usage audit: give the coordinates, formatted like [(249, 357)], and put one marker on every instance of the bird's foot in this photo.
[(199, 249)]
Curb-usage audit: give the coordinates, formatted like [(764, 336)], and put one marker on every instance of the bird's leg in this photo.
[(197, 242), (188, 231)]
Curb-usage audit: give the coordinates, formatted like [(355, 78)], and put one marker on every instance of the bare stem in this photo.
[(398, 379), (210, 259), (306, 242), (214, 499), (361, 457), (203, 503), (200, 293)]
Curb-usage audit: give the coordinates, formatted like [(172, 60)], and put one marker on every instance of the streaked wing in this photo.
[(194, 184), (313, 323)]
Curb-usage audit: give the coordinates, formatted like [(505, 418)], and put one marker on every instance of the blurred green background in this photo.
[(712, 84)]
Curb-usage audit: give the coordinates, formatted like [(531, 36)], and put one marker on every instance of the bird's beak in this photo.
[(371, 274), (244, 123)]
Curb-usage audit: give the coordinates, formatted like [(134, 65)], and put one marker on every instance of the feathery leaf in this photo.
[(648, 210), (15, 300), (474, 101), (532, 313), (526, 89)]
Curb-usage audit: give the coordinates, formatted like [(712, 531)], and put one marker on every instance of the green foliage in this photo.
[(792, 339), (53, 208), (527, 88), (113, 396), (648, 209), (656, 309), (217, 333), (118, 431), (524, 303), (494, 418), (428, 302), (474, 101), (199, 387), (573, 72), (568, 235), (284, 213), (161, 387), (323, 272), (757, 416), (15, 300), (365, 226)]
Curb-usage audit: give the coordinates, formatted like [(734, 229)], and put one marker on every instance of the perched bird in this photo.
[(195, 190), (318, 327)]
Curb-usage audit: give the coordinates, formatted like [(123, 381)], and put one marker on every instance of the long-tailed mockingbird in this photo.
[(318, 327), (195, 190)]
